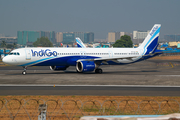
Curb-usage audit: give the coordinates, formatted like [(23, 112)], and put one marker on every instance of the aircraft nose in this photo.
[(9, 60), (6, 60)]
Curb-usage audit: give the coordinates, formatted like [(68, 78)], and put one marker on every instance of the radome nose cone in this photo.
[(5, 60)]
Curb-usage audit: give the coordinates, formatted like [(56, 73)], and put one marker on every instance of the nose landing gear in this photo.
[(24, 72)]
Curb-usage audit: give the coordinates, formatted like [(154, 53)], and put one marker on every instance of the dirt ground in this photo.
[(73, 107), (166, 58)]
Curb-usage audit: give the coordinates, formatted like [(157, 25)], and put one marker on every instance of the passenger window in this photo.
[(18, 54), (14, 53)]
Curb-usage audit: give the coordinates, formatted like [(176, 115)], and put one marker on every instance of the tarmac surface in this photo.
[(91, 90), (147, 78), (149, 72)]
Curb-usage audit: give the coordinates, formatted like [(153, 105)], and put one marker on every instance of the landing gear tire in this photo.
[(24, 72), (99, 70)]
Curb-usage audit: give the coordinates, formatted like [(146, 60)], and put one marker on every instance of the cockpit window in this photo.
[(14, 53)]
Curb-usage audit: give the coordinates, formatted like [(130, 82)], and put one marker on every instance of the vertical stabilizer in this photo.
[(150, 43), (80, 43)]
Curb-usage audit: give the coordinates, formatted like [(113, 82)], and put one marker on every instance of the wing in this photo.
[(105, 60)]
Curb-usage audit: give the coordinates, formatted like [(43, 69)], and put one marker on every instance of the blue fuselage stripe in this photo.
[(70, 61)]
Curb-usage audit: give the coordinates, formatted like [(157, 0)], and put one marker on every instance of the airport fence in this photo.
[(33, 109)]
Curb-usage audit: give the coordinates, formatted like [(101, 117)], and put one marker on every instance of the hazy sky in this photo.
[(98, 16)]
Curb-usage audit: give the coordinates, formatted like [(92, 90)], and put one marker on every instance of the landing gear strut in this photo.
[(24, 72), (98, 70)]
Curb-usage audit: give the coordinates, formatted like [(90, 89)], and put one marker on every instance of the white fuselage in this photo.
[(34, 56)]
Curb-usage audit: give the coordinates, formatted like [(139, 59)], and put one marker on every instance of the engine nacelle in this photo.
[(57, 68), (85, 66)]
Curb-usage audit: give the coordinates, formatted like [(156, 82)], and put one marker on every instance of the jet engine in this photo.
[(85, 66), (57, 68)]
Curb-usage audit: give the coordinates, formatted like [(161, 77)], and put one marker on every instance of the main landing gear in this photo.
[(98, 70), (24, 72)]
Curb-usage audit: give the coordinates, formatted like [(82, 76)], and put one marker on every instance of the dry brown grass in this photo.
[(166, 57), (77, 106)]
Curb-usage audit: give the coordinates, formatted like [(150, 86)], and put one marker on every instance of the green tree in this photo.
[(125, 41), (14, 45), (43, 42), (3, 44), (9, 46)]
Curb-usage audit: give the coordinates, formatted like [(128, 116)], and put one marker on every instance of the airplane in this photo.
[(84, 59), (80, 44)]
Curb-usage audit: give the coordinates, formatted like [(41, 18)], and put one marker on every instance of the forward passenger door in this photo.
[(28, 54)]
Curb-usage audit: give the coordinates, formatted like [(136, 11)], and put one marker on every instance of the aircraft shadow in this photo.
[(138, 72)]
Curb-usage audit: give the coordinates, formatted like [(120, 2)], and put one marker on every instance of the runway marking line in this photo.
[(171, 64), (25, 85)]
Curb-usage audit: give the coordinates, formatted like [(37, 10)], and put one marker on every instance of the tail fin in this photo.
[(150, 43), (80, 43)]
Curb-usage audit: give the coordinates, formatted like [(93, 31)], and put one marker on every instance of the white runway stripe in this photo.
[(49, 85)]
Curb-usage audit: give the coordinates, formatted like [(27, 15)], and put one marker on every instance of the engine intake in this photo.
[(85, 66), (57, 68)]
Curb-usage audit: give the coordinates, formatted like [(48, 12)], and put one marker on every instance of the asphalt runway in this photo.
[(149, 72), (91, 90), (157, 73)]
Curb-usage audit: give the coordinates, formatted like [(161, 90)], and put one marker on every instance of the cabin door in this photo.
[(110, 54), (28, 54)]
